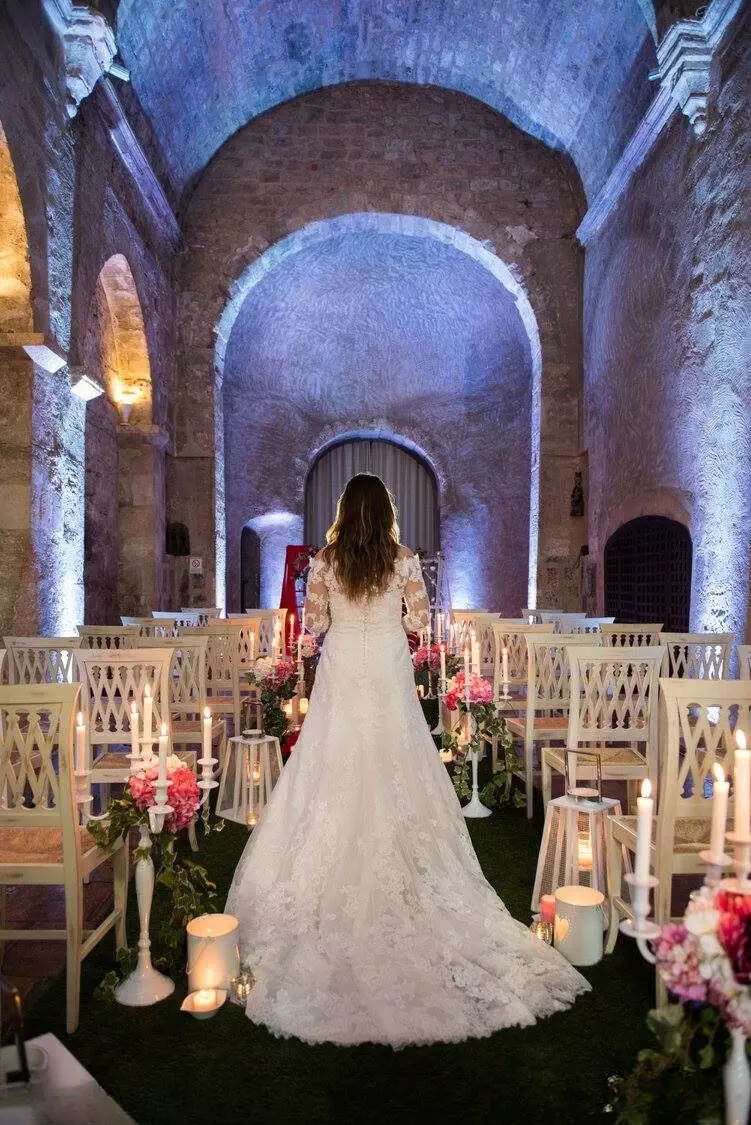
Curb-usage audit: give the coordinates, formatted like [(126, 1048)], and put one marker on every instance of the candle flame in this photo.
[(740, 740), (719, 773), (646, 788)]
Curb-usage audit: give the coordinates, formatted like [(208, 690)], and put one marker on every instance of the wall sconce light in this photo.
[(83, 385), (125, 400)]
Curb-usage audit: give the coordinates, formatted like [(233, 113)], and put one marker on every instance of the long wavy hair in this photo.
[(363, 540)]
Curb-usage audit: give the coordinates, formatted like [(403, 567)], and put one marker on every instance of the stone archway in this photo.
[(15, 268), (122, 472)]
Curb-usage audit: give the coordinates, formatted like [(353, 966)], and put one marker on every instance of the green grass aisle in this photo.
[(168, 1069)]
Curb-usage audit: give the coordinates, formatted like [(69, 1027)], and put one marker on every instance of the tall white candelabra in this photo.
[(737, 1077)]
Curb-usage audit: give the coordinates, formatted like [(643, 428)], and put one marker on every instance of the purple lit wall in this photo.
[(402, 334)]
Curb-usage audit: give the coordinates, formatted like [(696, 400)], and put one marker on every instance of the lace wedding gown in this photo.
[(363, 910)]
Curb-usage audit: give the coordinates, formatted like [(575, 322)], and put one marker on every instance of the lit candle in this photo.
[(421, 691), (504, 667), (439, 627), (644, 806), (291, 632), (204, 1000), (719, 813), (299, 655), (80, 743), (741, 786), (135, 749), (163, 747), (443, 668), (430, 633), (303, 705), (547, 908), (148, 704), (585, 852), (206, 734), (466, 675), (302, 620)]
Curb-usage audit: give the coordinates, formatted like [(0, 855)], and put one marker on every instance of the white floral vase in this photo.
[(737, 1081)]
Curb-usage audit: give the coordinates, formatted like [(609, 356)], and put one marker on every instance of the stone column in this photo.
[(142, 580), (18, 602)]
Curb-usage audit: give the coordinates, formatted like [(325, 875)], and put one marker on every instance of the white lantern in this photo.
[(578, 924), (213, 953)]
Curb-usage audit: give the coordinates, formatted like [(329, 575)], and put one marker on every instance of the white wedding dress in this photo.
[(363, 910)]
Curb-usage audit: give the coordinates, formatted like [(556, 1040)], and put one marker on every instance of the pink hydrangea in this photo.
[(480, 691), (283, 671), (309, 644), (678, 962), (430, 656), (183, 794)]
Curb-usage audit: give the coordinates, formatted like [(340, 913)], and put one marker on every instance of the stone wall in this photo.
[(667, 392), (386, 148)]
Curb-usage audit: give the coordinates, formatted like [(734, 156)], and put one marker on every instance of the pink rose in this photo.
[(183, 795)]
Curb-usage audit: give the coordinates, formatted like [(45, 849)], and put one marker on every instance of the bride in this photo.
[(363, 910)]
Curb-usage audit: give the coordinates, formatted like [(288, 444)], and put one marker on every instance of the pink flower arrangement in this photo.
[(480, 691), (428, 655), (309, 645), (274, 673), (183, 793), (707, 957)]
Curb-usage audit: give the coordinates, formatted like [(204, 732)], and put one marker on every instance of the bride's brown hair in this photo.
[(363, 540)]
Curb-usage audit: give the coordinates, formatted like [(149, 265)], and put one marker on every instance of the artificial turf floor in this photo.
[(166, 1068)]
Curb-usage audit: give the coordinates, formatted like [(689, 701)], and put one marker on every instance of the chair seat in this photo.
[(541, 724), (121, 762), (612, 759), (691, 833), (38, 845), (195, 726)]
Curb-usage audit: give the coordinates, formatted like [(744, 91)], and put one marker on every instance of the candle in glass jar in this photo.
[(644, 807), (720, 790), (80, 743), (148, 704)]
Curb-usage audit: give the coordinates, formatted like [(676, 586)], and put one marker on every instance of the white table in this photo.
[(61, 1091)]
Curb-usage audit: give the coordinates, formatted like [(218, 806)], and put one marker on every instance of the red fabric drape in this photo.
[(296, 561)]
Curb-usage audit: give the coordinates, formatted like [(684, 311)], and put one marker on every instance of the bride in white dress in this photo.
[(363, 910)]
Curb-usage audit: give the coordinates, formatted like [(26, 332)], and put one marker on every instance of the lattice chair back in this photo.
[(268, 620), (3, 667), (744, 662), (629, 636), (590, 624), (223, 668), (563, 622), (188, 691), (614, 698), (107, 636), (245, 631), (549, 670), (700, 718), (112, 681), (159, 627), (696, 656), (201, 614), (513, 638), (36, 761), (41, 660)]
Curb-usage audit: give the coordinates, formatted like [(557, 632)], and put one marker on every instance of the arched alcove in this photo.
[(647, 577), (15, 269), (119, 484), (405, 471)]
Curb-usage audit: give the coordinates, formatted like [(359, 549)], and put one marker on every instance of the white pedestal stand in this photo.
[(145, 985), (475, 808)]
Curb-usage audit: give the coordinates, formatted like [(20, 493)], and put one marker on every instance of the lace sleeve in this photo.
[(317, 598), (416, 596)]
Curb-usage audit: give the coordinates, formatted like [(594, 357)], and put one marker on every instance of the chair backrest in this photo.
[(201, 614), (614, 697), (245, 632), (590, 624), (223, 664), (549, 671), (267, 619), (744, 662), (36, 760), (699, 721), (41, 660), (698, 656), (152, 626), (561, 622), (106, 636), (628, 636), (513, 638), (188, 691), (112, 680)]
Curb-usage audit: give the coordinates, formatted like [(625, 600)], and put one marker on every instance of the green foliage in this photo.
[(680, 1081), (488, 724)]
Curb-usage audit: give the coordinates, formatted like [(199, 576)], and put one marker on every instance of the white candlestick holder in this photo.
[(145, 986), (475, 809), (639, 927)]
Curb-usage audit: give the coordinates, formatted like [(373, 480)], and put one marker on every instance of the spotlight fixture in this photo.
[(83, 386), (125, 401)]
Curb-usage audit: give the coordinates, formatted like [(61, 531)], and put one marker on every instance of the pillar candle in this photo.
[(302, 620), (430, 632), (439, 627), (644, 807), (504, 666), (80, 744), (547, 908), (163, 746), (135, 748), (148, 704), (206, 734), (466, 675), (291, 632), (443, 668), (742, 786), (719, 812)]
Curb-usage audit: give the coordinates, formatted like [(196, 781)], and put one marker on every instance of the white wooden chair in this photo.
[(41, 660), (161, 628), (744, 662), (106, 636), (3, 667), (544, 713), (201, 614), (41, 841), (512, 637), (590, 624), (631, 635), (696, 656), (188, 693), (613, 712), (267, 620), (698, 723), (245, 630), (223, 671)]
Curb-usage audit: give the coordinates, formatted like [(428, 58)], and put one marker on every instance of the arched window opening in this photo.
[(648, 573)]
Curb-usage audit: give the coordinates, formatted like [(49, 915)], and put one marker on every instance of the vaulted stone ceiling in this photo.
[(572, 72)]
